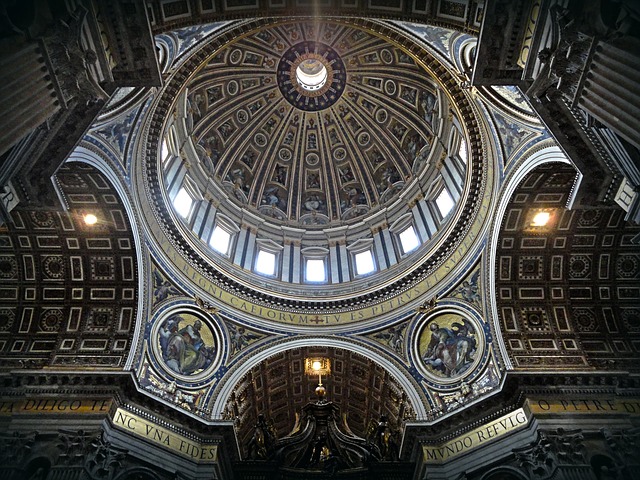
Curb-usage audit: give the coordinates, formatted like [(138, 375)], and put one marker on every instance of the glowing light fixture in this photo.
[(540, 219), (318, 366), (90, 219)]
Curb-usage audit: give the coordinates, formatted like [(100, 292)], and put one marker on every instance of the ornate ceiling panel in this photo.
[(313, 157), (69, 290), (568, 292)]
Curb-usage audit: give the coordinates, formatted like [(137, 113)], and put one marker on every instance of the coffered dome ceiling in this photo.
[(314, 140), (312, 157)]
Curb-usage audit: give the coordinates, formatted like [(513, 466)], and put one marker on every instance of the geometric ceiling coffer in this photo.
[(311, 76)]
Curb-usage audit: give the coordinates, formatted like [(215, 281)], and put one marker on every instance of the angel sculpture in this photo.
[(162, 288)]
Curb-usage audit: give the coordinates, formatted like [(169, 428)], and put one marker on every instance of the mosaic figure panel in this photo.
[(187, 344), (448, 345)]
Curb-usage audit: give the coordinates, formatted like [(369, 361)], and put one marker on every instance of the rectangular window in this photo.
[(364, 262), (315, 271), (462, 152), (182, 203), (220, 240), (266, 263), (444, 202), (165, 150), (409, 240)]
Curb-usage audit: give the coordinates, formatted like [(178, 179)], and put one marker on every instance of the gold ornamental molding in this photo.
[(584, 405)]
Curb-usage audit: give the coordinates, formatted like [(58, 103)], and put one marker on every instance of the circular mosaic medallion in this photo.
[(386, 56), (242, 116), (260, 139), (311, 76), (186, 344), (285, 154), (449, 345), (232, 87), (313, 159), (363, 139), (235, 56), (339, 153), (390, 87)]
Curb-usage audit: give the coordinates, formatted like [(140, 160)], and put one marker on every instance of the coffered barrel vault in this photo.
[(70, 289)]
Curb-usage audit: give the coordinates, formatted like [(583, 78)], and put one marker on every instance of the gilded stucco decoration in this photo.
[(312, 158), (312, 181)]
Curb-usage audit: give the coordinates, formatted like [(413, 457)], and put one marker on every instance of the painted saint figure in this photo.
[(451, 350), (183, 349)]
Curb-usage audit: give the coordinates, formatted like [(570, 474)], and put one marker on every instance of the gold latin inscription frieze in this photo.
[(609, 406), (165, 438), (478, 436), (55, 405)]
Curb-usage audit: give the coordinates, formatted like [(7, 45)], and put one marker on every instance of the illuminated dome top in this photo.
[(311, 74), (335, 135), (316, 154)]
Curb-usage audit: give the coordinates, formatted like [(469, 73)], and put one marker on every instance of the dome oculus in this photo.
[(311, 76)]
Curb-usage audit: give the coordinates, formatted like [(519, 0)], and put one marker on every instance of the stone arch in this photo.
[(280, 386), (414, 395), (75, 285), (85, 155)]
